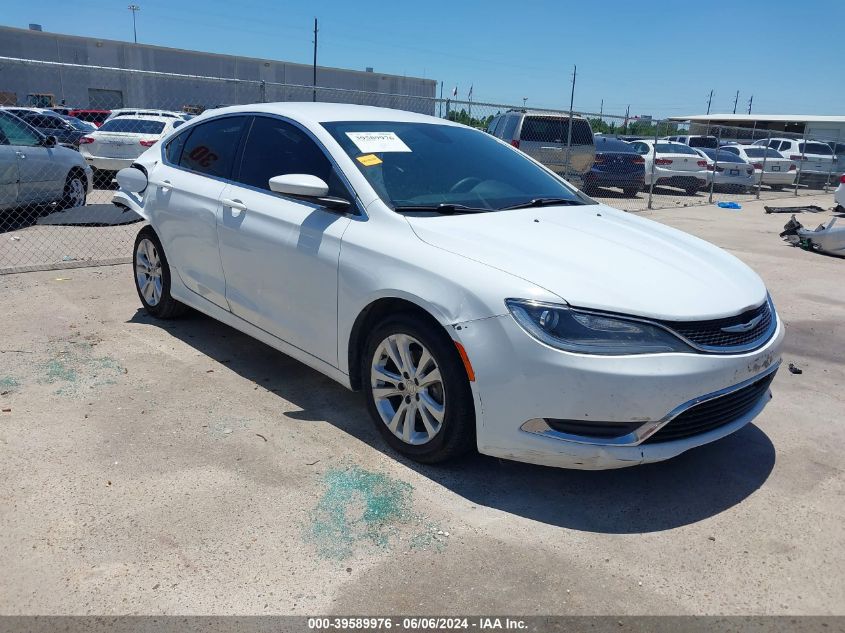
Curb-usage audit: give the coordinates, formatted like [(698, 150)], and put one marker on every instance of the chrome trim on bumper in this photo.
[(538, 426)]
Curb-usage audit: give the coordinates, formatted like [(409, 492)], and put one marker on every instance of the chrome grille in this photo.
[(710, 334)]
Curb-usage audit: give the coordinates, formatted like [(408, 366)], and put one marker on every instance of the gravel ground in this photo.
[(164, 468)]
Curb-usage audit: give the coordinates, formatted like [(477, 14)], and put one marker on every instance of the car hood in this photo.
[(593, 256)]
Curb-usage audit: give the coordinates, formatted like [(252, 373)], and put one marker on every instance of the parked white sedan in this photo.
[(119, 141), (673, 165), (769, 165), (474, 296)]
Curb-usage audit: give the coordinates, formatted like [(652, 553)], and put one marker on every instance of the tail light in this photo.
[(639, 160), (710, 166), (702, 163), (797, 157), (842, 179), (719, 169), (85, 140), (758, 166), (663, 161), (148, 142), (515, 143), (599, 159), (793, 167)]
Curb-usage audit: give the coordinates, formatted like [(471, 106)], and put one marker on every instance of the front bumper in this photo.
[(541, 382), (108, 164)]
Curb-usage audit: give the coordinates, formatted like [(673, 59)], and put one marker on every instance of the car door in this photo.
[(184, 201), (41, 171), (8, 173), (280, 254)]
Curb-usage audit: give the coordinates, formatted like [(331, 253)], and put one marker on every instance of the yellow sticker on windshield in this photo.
[(369, 160)]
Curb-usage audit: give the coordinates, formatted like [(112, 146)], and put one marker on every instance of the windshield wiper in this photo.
[(443, 208), (543, 202)]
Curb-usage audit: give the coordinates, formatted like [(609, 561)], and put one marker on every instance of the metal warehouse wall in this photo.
[(72, 84)]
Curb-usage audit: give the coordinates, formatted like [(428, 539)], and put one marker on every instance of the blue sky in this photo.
[(660, 57)]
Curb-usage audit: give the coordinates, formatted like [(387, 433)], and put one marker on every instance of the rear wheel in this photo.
[(691, 191), (630, 192), (417, 390), (152, 277), (75, 191)]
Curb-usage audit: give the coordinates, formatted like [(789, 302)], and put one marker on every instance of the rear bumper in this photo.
[(672, 178), (614, 180), (108, 164)]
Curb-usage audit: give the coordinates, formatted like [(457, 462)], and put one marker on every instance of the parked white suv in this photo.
[(34, 170), (473, 295), (815, 159), (696, 140)]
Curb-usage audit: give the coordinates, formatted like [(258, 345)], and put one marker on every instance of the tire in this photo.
[(691, 191), (75, 192), (425, 439), (150, 266), (775, 187), (630, 193)]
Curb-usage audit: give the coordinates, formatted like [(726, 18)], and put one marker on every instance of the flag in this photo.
[(469, 96), (455, 91)]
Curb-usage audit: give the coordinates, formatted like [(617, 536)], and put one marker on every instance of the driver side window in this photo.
[(275, 148), (18, 133)]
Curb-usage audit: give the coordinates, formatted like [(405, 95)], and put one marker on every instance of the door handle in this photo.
[(166, 185), (236, 205)]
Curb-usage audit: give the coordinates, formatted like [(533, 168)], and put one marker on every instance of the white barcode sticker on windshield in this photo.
[(375, 142)]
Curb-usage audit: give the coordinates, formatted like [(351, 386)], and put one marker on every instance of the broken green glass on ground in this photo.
[(361, 508)]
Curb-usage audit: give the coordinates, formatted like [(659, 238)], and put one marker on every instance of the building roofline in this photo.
[(773, 118), (259, 60)]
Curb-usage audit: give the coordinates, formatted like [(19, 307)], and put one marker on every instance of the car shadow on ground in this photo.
[(694, 486)]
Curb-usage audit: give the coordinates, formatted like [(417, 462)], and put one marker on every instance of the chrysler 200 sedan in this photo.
[(474, 296)]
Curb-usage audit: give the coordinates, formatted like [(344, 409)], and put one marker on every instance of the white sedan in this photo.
[(475, 297), (673, 164), (769, 165), (119, 141)]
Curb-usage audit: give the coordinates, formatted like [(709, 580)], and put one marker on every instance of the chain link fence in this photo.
[(58, 160)]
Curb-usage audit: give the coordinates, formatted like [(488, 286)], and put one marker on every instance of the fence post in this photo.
[(833, 160), (715, 165), (262, 91), (763, 170), (653, 159), (801, 162)]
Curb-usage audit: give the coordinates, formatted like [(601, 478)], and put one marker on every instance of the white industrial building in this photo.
[(823, 127)]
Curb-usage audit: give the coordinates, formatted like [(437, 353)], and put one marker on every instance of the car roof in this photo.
[(317, 113), (149, 117)]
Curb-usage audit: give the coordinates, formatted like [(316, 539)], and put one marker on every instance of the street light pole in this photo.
[(134, 8)]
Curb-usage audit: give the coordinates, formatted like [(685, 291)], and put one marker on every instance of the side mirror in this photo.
[(49, 141), (309, 188), (132, 179)]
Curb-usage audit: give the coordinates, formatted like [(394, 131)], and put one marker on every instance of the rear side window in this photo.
[(555, 130), (174, 147), (275, 148), (732, 150), (815, 148), (210, 147), (510, 127)]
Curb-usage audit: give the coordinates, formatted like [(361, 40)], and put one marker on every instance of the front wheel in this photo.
[(417, 390), (75, 191), (630, 193), (691, 191), (152, 276)]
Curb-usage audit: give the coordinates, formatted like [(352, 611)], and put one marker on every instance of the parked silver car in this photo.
[(544, 137), (35, 170)]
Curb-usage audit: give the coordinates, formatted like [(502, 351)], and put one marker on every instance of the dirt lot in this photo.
[(184, 468)]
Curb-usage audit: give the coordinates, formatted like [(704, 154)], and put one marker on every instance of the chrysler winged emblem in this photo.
[(743, 327)]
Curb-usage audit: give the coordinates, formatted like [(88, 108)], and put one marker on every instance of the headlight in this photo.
[(588, 333)]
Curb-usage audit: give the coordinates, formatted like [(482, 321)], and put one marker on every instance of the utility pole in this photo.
[(524, 99), (441, 100), (569, 126), (736, 100), (314, 79), (134, 8), (709, 100), (750, 101), (625, 125), (601, 108)]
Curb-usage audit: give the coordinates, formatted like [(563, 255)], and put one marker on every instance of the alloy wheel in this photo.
[(408, 389), (148, 271)]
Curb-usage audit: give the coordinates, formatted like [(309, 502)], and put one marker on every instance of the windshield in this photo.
[(723, 157), (761, 152), (704, 141), (674, 148), (134, 126), (424, 164)]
